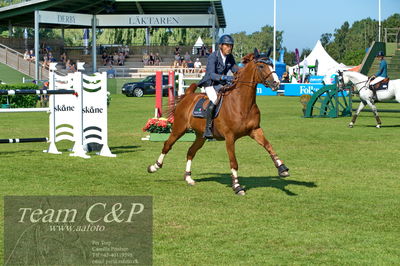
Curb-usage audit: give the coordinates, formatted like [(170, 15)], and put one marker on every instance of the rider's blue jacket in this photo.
[(382, 72), (216, 69)]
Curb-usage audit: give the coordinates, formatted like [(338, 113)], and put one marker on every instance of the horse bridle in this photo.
[(344, 85), (264, 79)]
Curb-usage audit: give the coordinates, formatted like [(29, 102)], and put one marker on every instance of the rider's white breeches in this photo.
[(376, 80), (211, 93)]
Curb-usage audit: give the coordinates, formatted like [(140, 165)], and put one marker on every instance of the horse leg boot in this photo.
[(258, 136), (209, 119), (230, 148), (354, 118), (175, 135), (197, 144), (375, 111)]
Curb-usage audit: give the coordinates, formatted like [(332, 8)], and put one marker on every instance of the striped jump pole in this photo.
[(35, 92), (24, 140)]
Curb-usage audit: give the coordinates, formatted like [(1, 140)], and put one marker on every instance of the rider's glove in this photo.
[(228, 79)]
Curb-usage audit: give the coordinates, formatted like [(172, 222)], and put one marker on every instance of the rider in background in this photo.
[(218, 65), (381, 74)]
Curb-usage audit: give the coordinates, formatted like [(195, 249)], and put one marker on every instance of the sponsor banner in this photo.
[(262, 90), (316, 79), (78, 230), (301, 89)]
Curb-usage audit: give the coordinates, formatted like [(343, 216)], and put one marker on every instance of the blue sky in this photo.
[(303, 21)]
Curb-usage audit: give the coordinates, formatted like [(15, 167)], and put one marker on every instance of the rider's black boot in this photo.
[(209, 115)]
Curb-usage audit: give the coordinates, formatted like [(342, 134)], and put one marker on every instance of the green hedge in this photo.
[(20, 101)]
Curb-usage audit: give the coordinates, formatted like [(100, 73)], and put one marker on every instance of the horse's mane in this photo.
[(356, 75)]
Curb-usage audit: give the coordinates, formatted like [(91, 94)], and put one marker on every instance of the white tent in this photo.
[(199, 43), (326, 64)]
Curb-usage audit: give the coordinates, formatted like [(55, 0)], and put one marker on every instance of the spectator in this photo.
[(68, 65), (121, 59), (157, 59), (187, 57), (285, 78), (27, 56), (126, 51), (151, 60), (197, 65), (177, 61), (111, 72), (145, 59), (63, 58), (32, 55), (104, 58), (110, 59), (203, 50), (177, 50), (115, 58)]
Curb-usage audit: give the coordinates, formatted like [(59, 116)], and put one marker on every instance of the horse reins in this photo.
[(259, 73)]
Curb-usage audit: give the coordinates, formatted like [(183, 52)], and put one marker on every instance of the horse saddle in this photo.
[(381, 85), (200, 108)]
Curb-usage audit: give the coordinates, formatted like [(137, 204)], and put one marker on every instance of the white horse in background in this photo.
[(361, 84)]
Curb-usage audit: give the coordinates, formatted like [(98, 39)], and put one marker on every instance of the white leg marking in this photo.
[(188, 165)]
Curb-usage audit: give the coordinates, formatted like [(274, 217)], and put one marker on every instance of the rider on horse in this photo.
[(380, 75), (218, 65)]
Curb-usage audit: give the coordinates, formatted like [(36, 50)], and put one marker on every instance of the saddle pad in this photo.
[(383, 85), (199, 110)]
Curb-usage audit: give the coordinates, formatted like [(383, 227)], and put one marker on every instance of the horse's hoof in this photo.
[(351, 126), (283, 171), (189, 180), (241, 193), (284, 174), (378, 126), (151, 169)]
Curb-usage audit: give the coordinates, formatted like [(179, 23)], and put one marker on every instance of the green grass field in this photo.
[(9, 75), (340, 205)]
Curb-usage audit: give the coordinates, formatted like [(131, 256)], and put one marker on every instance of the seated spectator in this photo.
[(121, 59), (51, 58), (285, 78), (63, 58), (68, 65), (157, 59), (177, 61), (115, 58), (110, 59), (72, 68), (126, 51), (151, 60), (197, 64), (104, 58), (32, 55), (27, 56), (187, 57), (111, 72), (145, 59)]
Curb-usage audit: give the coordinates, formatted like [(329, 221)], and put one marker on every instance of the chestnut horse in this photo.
[(239, 116)]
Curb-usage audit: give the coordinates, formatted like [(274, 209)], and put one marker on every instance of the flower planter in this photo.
[(165, 136)]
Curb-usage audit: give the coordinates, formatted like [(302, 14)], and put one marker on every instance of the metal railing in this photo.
[(15, 60)]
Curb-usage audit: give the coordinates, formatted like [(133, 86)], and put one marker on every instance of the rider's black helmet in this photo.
[(227, 39), (380, 53)]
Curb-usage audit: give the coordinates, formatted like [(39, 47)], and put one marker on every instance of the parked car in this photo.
[(146, 86)]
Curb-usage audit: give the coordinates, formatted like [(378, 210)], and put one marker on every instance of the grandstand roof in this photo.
[(22, 14)]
